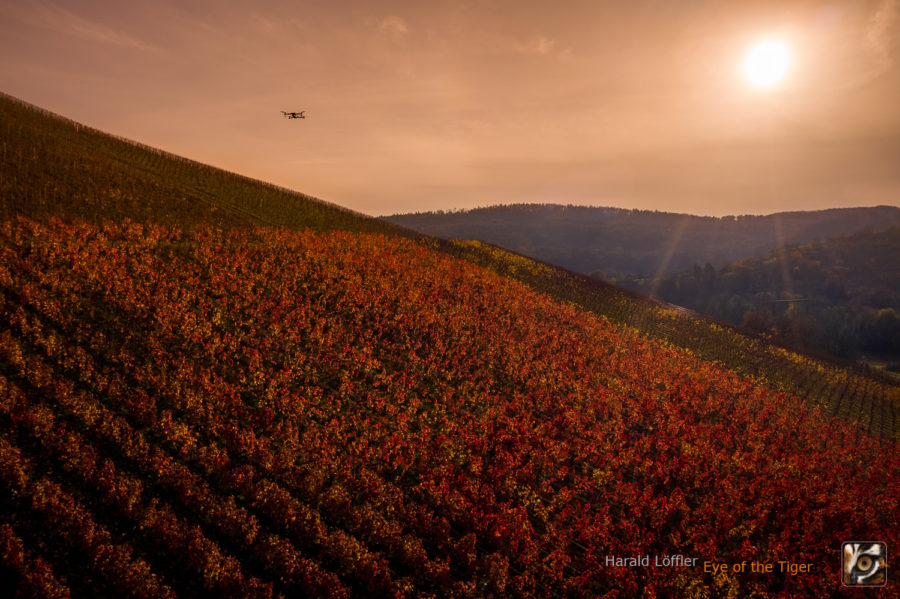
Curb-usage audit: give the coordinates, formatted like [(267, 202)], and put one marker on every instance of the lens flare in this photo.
[(767, 63)]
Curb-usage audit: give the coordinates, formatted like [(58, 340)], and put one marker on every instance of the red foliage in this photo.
[(342, 414)]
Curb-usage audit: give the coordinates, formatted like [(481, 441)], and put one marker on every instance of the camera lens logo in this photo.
[(864, 564)]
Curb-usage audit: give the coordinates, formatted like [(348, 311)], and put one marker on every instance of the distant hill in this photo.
[(626, 243), (840, 296)]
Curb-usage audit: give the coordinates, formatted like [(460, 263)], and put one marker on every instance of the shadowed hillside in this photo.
[(840, 296)]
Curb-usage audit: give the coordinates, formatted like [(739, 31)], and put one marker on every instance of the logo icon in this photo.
[(864, 564)]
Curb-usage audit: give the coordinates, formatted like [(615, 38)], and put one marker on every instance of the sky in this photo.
[(418, 105)]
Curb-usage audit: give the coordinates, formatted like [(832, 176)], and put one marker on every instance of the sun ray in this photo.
[(670, 251)]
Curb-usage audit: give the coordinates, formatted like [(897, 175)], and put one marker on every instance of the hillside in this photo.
[(621, 243), (839, 296), (54, 167), (347, 409), (98, 177)]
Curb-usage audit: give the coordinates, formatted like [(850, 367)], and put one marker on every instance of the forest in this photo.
[(840, 296)]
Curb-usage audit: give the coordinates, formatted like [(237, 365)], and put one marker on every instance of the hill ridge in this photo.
[(600, 208), (250, 198), (172, 156)]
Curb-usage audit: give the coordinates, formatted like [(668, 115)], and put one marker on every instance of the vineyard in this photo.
[(845, 391), (57, 168), (266, 412)]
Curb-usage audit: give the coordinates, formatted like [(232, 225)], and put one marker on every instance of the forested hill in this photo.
[(620, 242), (840, 296)]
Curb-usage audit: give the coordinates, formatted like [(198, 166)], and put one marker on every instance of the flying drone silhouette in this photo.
[(294, 115)]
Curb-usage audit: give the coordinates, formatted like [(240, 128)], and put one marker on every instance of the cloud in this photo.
[(394, 27), (881, 32), (542, 45), (56, 18)]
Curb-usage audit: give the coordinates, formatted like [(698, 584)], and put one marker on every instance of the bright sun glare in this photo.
[(766, 63)]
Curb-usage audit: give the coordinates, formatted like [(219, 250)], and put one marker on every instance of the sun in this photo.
[(767, 63)]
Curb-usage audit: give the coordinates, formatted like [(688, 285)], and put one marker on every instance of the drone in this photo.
[(294, 115)]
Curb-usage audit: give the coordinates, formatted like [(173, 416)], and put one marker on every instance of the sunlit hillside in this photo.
[(342, 414)]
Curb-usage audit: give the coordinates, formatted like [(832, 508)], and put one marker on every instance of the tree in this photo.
[(758, 321)]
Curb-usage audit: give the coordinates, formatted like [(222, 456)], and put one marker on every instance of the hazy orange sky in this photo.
[(415, 106)]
